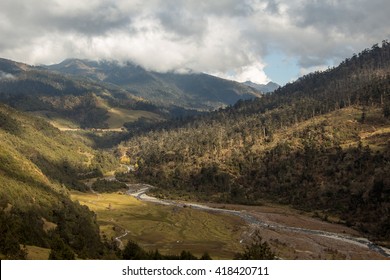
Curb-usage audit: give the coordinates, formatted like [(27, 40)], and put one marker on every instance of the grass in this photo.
[(37, 253), (48, 226), (346, 125), (166, 228), (57, 120), (119, 116)]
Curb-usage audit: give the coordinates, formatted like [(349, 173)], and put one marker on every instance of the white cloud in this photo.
[(6, 76), (227, 37), (253, 72)]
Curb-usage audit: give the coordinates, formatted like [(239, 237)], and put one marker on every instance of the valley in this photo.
[(279, 221), (224, 229)]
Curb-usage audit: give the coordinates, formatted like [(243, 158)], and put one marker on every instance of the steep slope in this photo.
[(38, 164), (70, 100), (305, 144), (192, 91)]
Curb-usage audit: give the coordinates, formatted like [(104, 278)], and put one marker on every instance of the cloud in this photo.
[(227, 37), (352, 17), (6, 76), (253, 72)]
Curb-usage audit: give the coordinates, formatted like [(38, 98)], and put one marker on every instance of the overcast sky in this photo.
[(258, 40)]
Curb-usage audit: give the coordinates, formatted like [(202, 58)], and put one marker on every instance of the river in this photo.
[(139, 191)]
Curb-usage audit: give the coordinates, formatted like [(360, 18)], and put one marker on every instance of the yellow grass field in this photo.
[(169, 229), (119, 116), (37, 253)]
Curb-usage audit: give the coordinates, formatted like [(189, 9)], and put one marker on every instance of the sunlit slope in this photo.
[(70, 101), (38, 165)]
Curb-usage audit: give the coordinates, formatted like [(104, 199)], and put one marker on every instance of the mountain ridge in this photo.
[(197, 91), (96, 94), (82, 101)]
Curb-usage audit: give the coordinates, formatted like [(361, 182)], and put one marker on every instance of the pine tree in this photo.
[(257, 250)]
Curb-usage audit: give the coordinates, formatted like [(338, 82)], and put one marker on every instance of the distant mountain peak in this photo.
[(13, 67), (269, 87)]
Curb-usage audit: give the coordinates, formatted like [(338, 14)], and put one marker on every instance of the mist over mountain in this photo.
[(72, 100), (108, 94), (197, 91)]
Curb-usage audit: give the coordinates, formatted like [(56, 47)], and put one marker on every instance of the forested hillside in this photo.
[(71, 100), (38, 165), (319, 144)]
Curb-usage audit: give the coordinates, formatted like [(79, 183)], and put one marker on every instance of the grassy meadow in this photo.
[(118, 116), (169, 229)]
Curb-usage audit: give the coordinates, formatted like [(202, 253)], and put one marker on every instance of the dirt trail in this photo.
[(119, 241), (118, 238)]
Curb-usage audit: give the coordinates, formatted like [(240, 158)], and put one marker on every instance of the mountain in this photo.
[(38, 166), (319, 144), (269, 87), (191, 91), (87, 94), (71, 101)]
